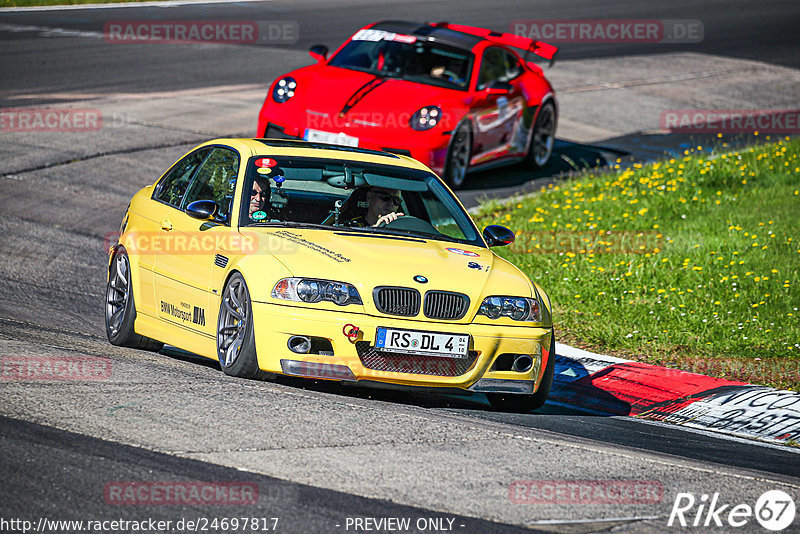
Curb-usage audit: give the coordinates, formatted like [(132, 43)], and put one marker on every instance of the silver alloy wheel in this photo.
[(117, 293), (544, 135), (232, 322), (458, 160)]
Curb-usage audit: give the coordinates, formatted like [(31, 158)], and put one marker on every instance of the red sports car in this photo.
[(454, 97)]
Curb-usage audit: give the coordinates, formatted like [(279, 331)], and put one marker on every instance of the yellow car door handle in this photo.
[(166, 225)]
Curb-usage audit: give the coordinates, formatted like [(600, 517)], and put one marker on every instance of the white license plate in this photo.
[(318, 136), (428, 343)]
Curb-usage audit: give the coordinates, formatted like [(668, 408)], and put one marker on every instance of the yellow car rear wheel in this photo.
[(120, 310)]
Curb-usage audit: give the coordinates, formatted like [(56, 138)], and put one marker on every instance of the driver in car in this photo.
[(449, 72), (382, 205)]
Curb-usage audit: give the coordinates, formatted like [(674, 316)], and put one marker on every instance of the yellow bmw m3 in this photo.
[(327, 262)]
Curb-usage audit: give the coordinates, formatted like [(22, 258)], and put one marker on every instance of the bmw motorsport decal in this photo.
[(196, 316)]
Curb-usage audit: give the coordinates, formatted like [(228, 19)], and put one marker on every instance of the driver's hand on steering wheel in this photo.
[(386, 219)]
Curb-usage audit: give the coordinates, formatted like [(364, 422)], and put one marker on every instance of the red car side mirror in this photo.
[(319, 52)]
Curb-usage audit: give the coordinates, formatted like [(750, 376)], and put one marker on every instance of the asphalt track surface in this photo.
[(46, 489), (766, 31), (175, 417)]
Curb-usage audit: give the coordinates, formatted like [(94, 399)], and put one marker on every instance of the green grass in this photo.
[(692, 263), (28, 3)]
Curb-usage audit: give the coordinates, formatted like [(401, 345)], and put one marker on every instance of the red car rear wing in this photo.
[(544, 50)]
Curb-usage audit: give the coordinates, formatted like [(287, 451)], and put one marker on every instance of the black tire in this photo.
[(526, 403), (236, 342), (458, 156), (120, 310), (543, 136)]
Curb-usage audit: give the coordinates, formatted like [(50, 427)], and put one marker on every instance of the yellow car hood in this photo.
[(369, 260)]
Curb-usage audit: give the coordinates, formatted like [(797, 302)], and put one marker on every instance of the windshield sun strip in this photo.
[(388, 233)]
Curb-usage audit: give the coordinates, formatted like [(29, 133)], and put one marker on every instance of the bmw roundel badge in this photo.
[(421, 279)]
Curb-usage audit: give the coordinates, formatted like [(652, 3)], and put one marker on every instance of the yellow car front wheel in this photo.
[(236, 346)]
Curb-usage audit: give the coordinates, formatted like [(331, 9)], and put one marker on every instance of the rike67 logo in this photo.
[(774, 511)]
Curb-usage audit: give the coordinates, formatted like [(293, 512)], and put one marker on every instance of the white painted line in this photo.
[(48, 31), (234, 89), (581, 521), (161, 3), (263, 36)]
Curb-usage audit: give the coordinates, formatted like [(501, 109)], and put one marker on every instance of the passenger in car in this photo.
[(259, 196)]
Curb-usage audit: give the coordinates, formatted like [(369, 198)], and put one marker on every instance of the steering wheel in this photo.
[(411, 223), (452, 76)]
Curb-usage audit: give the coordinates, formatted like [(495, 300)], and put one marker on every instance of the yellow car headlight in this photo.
[(516, 308), (314, 290)]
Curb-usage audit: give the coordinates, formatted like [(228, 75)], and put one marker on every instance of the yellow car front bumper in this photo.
[(354, 358)]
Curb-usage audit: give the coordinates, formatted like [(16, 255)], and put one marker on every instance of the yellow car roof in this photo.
[(296, 147)]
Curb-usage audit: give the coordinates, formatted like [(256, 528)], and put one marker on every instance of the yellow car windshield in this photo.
[(341, 195)]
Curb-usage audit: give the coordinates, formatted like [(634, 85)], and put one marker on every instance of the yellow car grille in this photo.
[(405, 301), (396, 362)]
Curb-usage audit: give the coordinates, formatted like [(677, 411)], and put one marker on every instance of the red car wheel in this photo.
[(544, 136), (455, 171)]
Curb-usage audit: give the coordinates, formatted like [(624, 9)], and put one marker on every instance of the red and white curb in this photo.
[(614, 386)]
